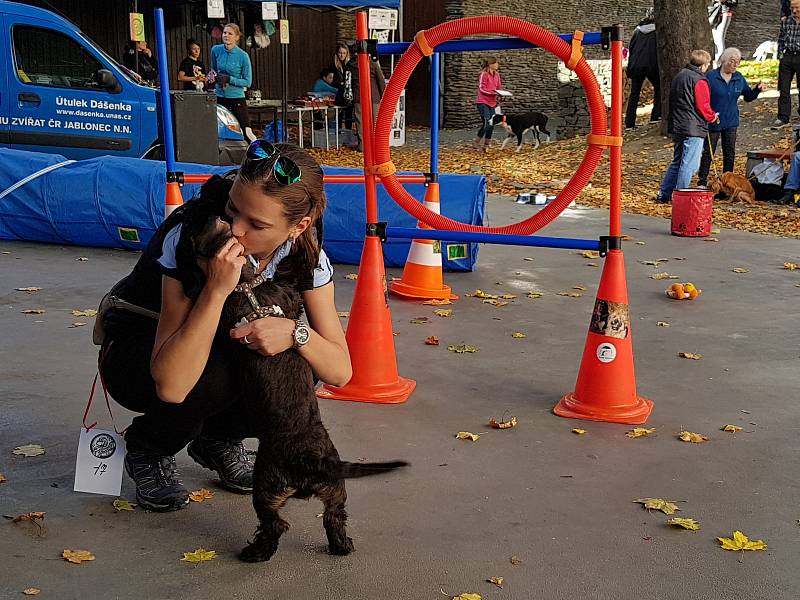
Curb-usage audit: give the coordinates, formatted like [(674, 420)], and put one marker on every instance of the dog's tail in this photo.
[(351, 470)]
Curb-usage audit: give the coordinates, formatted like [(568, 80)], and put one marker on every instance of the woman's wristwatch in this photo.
[(300, 335)]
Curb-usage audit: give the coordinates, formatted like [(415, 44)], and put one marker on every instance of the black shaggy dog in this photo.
[(296, 458)]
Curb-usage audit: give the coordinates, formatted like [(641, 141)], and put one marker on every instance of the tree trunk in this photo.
[(681, 26)]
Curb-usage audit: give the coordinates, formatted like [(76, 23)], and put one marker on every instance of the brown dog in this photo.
[(733, 187)]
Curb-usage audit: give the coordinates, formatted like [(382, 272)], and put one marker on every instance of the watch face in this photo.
[(301, 335)]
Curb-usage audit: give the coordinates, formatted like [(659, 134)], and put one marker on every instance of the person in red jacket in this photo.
[(488, 84), (690, 113)]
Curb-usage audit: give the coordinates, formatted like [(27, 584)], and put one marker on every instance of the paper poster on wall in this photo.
[(137, 27), (382, 18), (397, 134), (284, 25), (215, 9), (269, 11)]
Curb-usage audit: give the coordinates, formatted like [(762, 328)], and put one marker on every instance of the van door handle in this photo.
[(29, 98)]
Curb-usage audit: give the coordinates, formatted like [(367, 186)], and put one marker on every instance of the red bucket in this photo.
[(692, 211)]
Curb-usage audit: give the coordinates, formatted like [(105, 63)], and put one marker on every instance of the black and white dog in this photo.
[(518, 125)]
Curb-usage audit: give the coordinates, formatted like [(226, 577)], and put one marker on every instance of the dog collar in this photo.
[(259, 312)]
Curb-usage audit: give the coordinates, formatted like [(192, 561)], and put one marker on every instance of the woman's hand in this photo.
[(224, 269), (268, 336)]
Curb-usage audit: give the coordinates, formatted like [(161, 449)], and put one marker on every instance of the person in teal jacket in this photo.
[(234, 74)]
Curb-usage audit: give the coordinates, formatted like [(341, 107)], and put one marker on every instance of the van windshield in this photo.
[(130, 75)]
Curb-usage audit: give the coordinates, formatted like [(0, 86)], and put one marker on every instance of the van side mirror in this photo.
[(106, 80)]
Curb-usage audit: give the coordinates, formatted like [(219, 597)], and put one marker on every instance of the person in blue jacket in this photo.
[(234, 74), (726, 84)]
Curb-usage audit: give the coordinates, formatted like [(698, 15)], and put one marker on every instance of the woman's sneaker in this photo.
[(157, 485), (228, 458)]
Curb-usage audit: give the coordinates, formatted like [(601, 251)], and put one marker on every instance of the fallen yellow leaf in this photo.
[(201, 495), (494, 302), (31, 591), (432, 340), (467, 597), (570, 294), (731, 428), (419, 320), (28, 289), (741, 542), (787, 265), (480, 294), (640, 432), (89, 312), (438, 302), (534, 295), (343, 314), (120, 504), (515, 560), (690, 355), (33, 311), (2, 478), (662, 324), (695, 438), (199, 555), (690, 524), (590, 254), (352, 276), (466, 435), (578, 431), (443, 312), (463, 348), (714, 231), (28, 450), (664, 506), (740, 270), (580, 287), (663, 276), (77, 556), (495, 424), (498, 581), (518, 335)]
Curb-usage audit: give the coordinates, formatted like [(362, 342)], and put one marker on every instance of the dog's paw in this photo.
[(258, 552), (342, 547)]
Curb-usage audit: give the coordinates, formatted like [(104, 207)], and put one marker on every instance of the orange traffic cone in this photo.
[(606, 386), (173, 199), (422, 274), (370, 340)]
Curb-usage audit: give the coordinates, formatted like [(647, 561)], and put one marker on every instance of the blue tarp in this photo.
[(118, 202)]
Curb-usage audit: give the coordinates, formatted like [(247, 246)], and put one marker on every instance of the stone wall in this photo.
[(532, 75), (573, 111)]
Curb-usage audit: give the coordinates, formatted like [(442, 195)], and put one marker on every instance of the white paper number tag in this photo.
[(98, 469)]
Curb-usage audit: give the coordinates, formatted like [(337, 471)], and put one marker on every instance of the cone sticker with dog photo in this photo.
[(606, 386)]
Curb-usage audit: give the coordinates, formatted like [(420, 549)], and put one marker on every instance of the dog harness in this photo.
[(259, 312)]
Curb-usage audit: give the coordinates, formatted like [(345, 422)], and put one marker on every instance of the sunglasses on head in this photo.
[(285, 170)]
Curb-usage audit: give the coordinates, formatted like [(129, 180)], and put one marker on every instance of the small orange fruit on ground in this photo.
[(678, 290), (694, 293)]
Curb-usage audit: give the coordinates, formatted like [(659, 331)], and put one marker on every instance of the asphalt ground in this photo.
[(561, 504)]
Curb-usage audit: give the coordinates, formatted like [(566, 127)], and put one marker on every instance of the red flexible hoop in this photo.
[(477, 25)]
